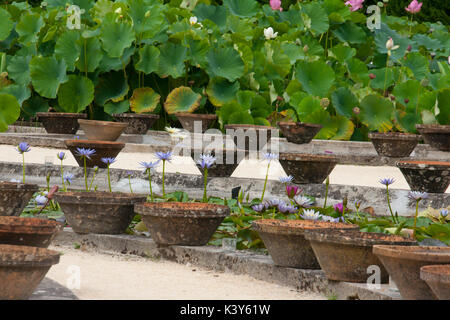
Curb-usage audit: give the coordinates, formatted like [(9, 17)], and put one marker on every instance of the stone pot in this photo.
[(307, 168), (22, 268), (438, 279), (437, 136), (188, 120), (103, 149), (394, 144), (98, 212), (346, 256), (102, 130), (137, 123), (33, 232), (404, 263), (299, 132), (14, 197), (286, 243), (426, 176), (250, 137), (223, 169), (60, 122), (182, 223)]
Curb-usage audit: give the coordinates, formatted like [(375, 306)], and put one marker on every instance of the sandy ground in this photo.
[(104, 276), (342, 174)]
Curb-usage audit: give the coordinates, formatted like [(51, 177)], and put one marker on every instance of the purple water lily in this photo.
[(387, 181), (23, 147), (164, 156), (61, 155), (85, 152)]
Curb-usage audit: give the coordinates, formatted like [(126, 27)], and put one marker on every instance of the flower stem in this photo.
[(150, 184), (129, 183), (415, 218), (385, 74), (23, 167), (163, 176), (327, 184), (92, 181), (265, 182), (389, 204), (205, 199), (109, 180), (85, 174), (62, 177)]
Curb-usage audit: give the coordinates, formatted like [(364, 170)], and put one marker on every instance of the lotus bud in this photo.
[(433, 54), (372, 76), (191, 82), (118, 10), (4, 74), (147, 14), (193, 20), (356, 110), (406, 101), (305, 48), (409, 48), (425, 82), (324, 102), (392, 97), (280, 98)]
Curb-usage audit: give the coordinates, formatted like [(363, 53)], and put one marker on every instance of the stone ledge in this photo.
[(246, 262)]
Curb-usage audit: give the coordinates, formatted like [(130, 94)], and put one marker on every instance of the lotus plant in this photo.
[(164, 156), (108, 162), (387, 182), (205, 162), (355, 5), (22, 148), (93, 178), (149, 167), (61, 156), (310, 214), (85, 154), (417, 196), (413, 8)]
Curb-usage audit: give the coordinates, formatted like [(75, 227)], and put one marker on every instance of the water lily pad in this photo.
[(111, 86), (76, 94), (91, 54), (182, 99), (144, 100), (148, 59), (19, 69), (117, 107), (68, 48), (47, 73), (171, 62), (344, 101), (242, 8), (21, 93), (418, 65), (28, 27)]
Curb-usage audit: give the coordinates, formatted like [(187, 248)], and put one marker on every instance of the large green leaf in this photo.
[(225, 63), (344, 101), (350, 32), (145, 17), (418, 65), (47, 73), (329, 127), (6, 24), (28, 27), (217, 14), (91, 54), (443, 99), (21, 93), (76, 94), (345, 128), (315, 18), (144, 100), (242, 8), (342, 53), (111, 86), (182, 99), (67, 47), (316, 77), (358, 71), (307, 106), (117, 107), (33, 105), (220, 91), (9, 110), (108, 64), (115, 36), (19, 70), (172, 59), (376, 113), (407, 93), (148, 59)]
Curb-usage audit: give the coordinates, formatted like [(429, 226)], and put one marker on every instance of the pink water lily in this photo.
[(414, 7), (276, 5), (355, 4)]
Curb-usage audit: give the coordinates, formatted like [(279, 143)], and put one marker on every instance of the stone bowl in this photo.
[(33, 232), (307, 168), (188, 120), (394, 144), (103, 149), (438, 279), (182, 223), (426, 176), (437, 136), (286, 243), (22, 268), (102, 130), (98, 212), (404, 263), (14, 197), (60, 122), (299, 132), (223, 169), (137, 123), (346, 256)]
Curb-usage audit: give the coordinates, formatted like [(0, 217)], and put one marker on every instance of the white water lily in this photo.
[(269, 34), (171, 130), (310, 215), (118, 10)]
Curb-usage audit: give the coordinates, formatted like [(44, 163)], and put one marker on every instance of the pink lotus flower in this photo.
[(276, 5), (355, 4), (414, 7)]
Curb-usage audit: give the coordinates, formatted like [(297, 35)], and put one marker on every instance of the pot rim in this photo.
[(436, 273), (12, 224), (99, 197), (98, 123), (298, 124), (18, 186), (94, 143), (297, 227), (428, 254), (249, 126), (61, 114), (136, 115), (433, 128), (357, 238), (289, 156), (423, 164), (207, 116), (182, 209), (26, 256), (395, 136)]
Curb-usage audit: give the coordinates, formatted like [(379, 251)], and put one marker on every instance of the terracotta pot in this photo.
[(60, 122), (307, 168), (102, 130), (404, 263), (15, 196), (286, 243), (299, 132), (22, 269), (98, 212), (250, 137), (188, 120), (137, 123), (103, 149), (33, 232), (182, 223), (223, 169), (346, 256), (438, 279), (437, 136), (426, 176), (394, 144)]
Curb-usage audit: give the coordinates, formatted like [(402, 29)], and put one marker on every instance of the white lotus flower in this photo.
[(390, 46), (269, 34), (193, 20), (118, 10)]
